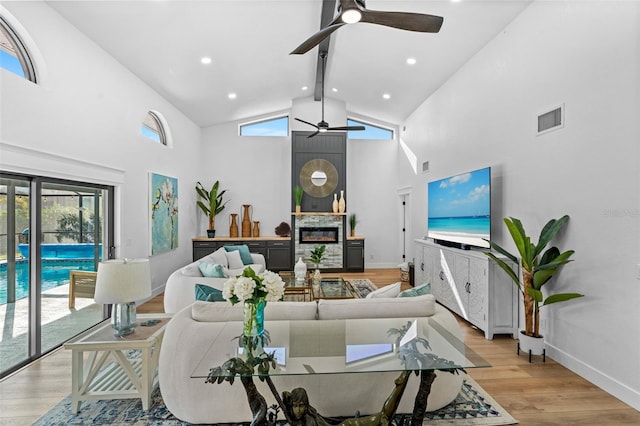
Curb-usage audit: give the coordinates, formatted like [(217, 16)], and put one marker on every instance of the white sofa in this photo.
[(190, 332), (179, 291)]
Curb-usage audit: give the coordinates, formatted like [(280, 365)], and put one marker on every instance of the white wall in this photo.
[(83, 123), (585, 55)]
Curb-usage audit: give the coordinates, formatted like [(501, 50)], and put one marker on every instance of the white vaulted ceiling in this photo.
[(249, 41)]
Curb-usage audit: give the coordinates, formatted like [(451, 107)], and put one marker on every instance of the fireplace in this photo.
[(318, 235)]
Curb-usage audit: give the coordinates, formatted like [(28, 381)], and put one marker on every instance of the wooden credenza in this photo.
[(276, 250)]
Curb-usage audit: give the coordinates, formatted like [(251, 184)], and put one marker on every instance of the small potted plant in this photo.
[(212, 204), (298, 193), (317, 255), (353, 221), (537, 269)]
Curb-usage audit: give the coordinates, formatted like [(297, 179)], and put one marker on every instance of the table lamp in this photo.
[(122, 282)]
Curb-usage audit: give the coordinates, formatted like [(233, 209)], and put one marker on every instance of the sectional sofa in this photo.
[(191, 330), (179, 291)]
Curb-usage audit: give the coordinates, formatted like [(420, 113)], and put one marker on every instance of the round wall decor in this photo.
[(313, 186)]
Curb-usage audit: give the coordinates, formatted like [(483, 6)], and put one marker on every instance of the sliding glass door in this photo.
[(54, 233)]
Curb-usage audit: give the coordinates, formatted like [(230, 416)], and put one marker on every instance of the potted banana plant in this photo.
[(212, 204), (537, 269)]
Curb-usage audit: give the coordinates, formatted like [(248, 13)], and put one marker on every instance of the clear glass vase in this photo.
[(253, 329)]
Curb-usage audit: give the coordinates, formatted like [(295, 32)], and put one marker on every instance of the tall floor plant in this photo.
[(537, 268)]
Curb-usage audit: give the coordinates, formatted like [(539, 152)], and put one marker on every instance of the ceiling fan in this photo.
[(323, 126), (352, 11)]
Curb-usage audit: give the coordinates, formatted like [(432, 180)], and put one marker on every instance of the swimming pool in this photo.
[(63, 251), (55, 272)]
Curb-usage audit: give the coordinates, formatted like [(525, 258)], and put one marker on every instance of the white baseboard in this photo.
[(610, 385)]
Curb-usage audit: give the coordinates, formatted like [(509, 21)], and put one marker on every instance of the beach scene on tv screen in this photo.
[(460, 208)]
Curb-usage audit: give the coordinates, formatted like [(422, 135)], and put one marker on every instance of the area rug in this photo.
[(362, 286), (472, 407)]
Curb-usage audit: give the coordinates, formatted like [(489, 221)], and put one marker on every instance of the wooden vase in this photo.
[(256, 228), (246, 220), (341, 203), (335, 203), (233, 227)]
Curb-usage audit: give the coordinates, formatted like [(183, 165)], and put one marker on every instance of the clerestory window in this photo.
[(278, 126), (370, 131), (14, 56)]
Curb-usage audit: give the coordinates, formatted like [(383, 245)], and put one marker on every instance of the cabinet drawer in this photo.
[(355, 243), (205, 244), (283, 244)]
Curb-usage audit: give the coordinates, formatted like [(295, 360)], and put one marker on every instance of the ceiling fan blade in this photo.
[(347, 128), (313, 134), (306, 122), (404, 20), (317, 38)]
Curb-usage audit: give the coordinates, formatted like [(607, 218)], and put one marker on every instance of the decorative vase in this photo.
[(211, 233), (253, 329), (233, 227), (353, 232), (317, 278), (341, 203), (335, 203), (300, 271), (298, 210), (253, 324), (256, 228), (246, 220)]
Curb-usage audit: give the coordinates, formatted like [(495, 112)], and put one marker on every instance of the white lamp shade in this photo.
[(123, 281)]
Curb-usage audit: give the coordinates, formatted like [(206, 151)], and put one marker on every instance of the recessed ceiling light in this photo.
[(205, 60), (305, 87), (232, 96), (386, 96), (411, 61), (334, 90)]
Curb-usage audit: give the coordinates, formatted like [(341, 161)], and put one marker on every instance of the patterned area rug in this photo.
[(362, 286), (472, 407)]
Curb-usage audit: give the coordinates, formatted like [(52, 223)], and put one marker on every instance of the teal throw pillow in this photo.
[(245, 254), (416, 291), (206, 293), (211, 270)]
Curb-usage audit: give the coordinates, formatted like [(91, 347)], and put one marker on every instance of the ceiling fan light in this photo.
[(351, 16), (322, 130)]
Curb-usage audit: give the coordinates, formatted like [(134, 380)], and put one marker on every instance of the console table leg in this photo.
[(420, 406)]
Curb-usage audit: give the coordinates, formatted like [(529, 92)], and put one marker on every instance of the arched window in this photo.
[(153, 128), (14, 57)]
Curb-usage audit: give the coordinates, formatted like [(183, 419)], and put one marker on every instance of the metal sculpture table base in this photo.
[(261, 416)]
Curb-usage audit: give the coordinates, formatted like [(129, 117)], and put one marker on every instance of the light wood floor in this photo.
[(535, 394)]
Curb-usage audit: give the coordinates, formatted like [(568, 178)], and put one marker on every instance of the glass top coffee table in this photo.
[(321, 347), (328, 288)]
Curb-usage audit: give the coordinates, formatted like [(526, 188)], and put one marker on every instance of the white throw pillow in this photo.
[(234, 260), (219, 257), (391, 290), (191, 270)]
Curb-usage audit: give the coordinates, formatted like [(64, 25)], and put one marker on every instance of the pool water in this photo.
[(55, 272)]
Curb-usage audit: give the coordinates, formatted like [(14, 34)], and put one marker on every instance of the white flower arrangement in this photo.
[(252, 287)]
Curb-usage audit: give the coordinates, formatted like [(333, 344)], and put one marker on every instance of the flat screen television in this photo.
[(459, 209)]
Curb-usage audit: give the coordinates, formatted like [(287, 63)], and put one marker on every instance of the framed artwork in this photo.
[(163, 221)]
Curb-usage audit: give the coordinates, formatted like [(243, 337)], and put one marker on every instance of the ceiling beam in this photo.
[(328, 12)]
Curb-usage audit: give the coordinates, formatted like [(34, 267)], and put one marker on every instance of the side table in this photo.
[(116, 367)]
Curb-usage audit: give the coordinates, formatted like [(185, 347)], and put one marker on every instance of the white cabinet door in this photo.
[(477, 291), (445, 281)]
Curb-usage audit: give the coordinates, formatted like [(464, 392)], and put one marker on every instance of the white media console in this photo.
[(471, 285)]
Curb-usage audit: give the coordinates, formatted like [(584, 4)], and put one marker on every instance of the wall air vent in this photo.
[(552, 120), (425, 167)]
